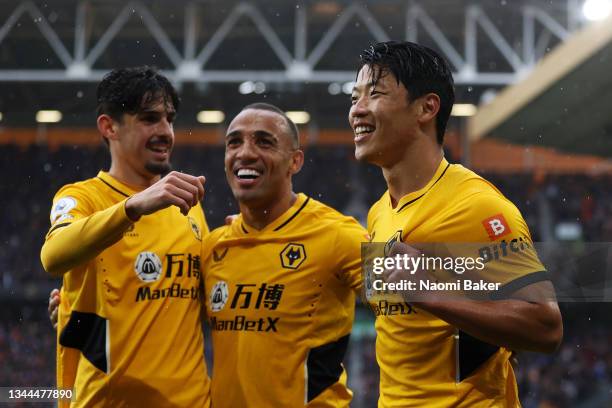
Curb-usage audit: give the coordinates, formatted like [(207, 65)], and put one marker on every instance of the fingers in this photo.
[(54, 302), (179, 189), (180, 198), (187, 182), (202, 181), (400, 248), (53, 317)]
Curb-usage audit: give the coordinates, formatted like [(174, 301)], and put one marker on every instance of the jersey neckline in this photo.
[(280, 222), (125, 190), (410, 198)]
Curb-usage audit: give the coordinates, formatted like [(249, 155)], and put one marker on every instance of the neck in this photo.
[(413, 171), (260, 216), (127, 176)]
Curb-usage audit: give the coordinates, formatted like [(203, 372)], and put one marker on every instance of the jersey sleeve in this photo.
[(78, 230), (350, 235), (501, 238)]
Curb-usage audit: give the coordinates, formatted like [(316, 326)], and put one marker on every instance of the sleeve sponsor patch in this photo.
[(62, 208), (496, 226)]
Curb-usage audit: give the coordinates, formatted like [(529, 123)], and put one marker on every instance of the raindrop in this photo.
[(470, 89), (79, 94), (47, 167)]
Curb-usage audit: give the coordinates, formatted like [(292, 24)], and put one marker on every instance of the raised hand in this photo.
[(179, 189)]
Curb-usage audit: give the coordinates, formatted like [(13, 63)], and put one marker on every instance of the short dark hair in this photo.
[(130, 90), (420, 69), (291, 126)]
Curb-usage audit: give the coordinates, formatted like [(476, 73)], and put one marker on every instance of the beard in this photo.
[(158, 168)]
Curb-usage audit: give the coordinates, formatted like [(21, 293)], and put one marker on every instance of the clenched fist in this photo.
[(179, 189)]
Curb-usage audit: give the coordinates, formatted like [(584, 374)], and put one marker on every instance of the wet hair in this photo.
[(291, 126), (131, 90), (420, 69)]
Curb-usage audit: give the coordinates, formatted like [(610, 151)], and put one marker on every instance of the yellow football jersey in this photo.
[(129, 330), (280, 303), (424, 361)]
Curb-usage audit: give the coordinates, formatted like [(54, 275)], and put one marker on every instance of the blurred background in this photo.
[(533, 115)]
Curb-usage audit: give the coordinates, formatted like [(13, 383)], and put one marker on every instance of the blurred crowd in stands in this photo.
[(572, 208)]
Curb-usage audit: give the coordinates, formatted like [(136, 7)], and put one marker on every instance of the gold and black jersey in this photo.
[(129, 329), (424, 361), (280, 302)]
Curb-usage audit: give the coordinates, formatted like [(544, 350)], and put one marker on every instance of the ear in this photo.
[(108, 127), (430, 106), (297, 161)]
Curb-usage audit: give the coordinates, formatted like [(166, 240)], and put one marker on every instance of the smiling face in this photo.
[(260, 158), (383, 118), (144, 140)]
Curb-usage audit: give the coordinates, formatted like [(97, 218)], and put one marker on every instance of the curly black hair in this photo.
[(130, 90)]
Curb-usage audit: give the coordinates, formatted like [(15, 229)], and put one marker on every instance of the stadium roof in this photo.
[(302, 53), (566, 101)]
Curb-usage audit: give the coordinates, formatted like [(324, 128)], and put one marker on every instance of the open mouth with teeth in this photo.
[(363, 131), (247, 175)]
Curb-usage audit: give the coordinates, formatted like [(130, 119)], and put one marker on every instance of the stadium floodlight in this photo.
[(334, 88), (210, 116), (48, 116), (246, 87), (463, 109), (298, 117), (259, 87), (347, 87), (594, 10)]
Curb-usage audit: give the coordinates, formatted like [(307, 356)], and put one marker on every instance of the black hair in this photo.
[(130, 90), (291, 126), (420, 69)]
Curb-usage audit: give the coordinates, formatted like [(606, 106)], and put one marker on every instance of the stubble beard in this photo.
[(158, 168)]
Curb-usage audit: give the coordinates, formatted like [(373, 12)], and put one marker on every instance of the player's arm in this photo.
[(528, 317), (350, 235), (517, 324), (86, 232)]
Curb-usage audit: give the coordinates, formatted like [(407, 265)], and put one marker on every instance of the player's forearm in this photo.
[(80, 241), (514, 324)]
